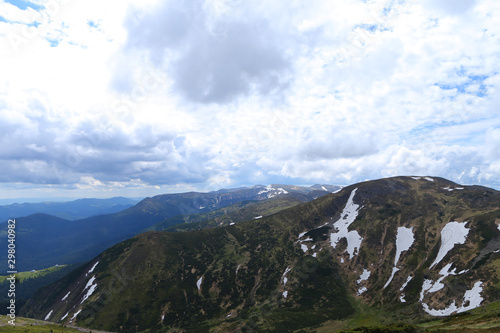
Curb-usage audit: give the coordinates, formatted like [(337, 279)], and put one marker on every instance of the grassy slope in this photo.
[(22, 276), (33, 326), (239, 212), (29, 282), (160, 271), (167, 266), (373, 319)]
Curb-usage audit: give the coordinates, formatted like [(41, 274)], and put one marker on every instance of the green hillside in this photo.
[(404, 250)]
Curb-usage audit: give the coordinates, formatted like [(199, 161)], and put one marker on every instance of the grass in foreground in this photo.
[(367, 319), (33, 326)]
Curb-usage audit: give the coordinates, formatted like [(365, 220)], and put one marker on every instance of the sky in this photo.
[(143, 97)]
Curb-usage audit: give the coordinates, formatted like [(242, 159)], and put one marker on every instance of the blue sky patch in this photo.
[(481, 91), (53, 42), (21, 4)]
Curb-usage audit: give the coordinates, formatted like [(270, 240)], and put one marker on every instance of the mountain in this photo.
[(44, 240), (397, 249), (235, 213), (69, 210)]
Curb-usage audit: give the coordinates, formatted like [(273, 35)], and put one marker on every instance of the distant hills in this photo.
[(402, 249), (44, 240), (69, 210)]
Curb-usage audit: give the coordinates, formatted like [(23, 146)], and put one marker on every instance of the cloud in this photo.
[(219, 93), (454, 7), (211, 59)]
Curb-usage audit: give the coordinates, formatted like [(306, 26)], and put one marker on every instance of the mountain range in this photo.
[(44, 240), (69, 210), (403, 249)]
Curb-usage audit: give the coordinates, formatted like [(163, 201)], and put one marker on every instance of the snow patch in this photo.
[(438, 285), (404, 240), (285, 294), (91, 288), (472, 297), (198, 283), (283, 277), (449, 189), (65, 297), (364, 276), (432, 287), (324, 188), (416, 178), (429, 179), (348, 216), (362, 290), (74, 316), (48, 315), (406, 283), (257, 217), (453, 233), (90, 282), (341, 260), (394, 270), (425, 286), (315, 255), (304, 247), (67, 313), (89, 292), (92, 269), (272, 192), (232, 223)]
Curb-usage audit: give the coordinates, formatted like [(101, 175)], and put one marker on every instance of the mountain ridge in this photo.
[(83, 239), (69, 210), (301, 267)]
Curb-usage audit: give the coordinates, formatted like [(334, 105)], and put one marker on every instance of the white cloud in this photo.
[(205, 94)]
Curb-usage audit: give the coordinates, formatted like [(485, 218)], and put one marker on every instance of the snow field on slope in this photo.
[(198, 283), (92, 269), (65, 297), (349, 214), (363, 277), (91, 288), (404, 240), (269, 188), (452, 234), (472, 297), (283, 277), (48, 315)]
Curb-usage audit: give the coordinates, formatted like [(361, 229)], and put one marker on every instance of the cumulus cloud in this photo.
[(211, 59), (220, 93)]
